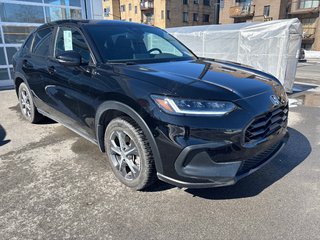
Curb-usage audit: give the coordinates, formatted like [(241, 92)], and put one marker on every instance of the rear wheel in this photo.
[(28, 109), (129, 153)]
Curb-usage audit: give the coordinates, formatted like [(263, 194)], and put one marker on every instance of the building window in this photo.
[(206, 18), (15, 34), (308, 27), (244, 2), (266, 10), (130, 7), (162, 14), (185, 17), (122, 8), (206, 2), (75, 3), (168, 14), (185, 2), (57, 13), (195, 1), (135, 9), (106, 12), (2, 58), (309, 3), (3, 72), (195, 17), (21, 13)]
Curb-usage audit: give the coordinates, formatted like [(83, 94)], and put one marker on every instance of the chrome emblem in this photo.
[(275, 101)]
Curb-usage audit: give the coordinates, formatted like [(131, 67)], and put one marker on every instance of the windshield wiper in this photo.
[(118, 62)]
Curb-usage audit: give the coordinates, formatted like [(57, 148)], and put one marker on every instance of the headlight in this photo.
[(193, 107)]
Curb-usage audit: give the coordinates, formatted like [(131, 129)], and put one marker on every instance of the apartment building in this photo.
[(236, 11), (163, 13), (308, 11), (111, 9)]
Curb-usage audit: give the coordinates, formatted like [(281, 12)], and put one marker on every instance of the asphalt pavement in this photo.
[(57, 185)]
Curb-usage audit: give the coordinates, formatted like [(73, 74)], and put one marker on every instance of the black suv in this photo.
[(150, 104)]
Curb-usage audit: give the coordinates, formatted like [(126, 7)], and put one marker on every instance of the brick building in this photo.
[(308, 11), (163, 13), (235, 11)]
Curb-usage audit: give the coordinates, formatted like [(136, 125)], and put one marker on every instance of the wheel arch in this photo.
[(111, 109), (19, 78)]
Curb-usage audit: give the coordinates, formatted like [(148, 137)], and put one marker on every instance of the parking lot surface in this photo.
[(57, 185)]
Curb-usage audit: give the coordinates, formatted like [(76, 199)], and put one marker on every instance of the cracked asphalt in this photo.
[(57, 185)]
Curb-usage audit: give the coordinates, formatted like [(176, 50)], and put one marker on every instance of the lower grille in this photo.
[(266, 125), (257, 160)]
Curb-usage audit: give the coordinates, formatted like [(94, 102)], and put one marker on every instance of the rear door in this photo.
[(34, 64)]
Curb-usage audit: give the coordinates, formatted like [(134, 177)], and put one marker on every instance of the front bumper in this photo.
[(218, 151), (202, 172)]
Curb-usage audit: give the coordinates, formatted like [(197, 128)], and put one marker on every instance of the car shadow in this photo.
[(44, 121), (3, 136), (295, 152)]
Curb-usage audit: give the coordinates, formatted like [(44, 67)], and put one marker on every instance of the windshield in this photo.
[(134, 43)]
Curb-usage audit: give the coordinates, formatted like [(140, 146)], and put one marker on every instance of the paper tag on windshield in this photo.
[(67, 38)]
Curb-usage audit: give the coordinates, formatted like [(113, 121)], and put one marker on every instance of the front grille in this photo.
[(257, 160), (266, 125)]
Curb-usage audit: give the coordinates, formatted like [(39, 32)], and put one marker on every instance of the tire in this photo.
[(136, 169), (27, 107)]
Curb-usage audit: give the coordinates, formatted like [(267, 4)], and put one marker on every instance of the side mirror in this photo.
[(69, 58)]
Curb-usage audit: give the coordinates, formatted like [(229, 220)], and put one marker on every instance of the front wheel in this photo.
[(129, 153)]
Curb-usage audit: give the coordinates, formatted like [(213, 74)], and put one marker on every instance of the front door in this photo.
[(66, 86)]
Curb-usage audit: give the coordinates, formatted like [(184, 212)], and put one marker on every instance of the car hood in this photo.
[(210, 79)]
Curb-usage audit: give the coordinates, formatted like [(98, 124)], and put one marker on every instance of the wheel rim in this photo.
[(125, 156), (25, 103)]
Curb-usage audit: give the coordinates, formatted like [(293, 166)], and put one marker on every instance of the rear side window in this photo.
[(27, 46), (42, 41), (70, 39)]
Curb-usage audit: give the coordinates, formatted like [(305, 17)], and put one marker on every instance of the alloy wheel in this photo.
[(125, 155), (25, 103)]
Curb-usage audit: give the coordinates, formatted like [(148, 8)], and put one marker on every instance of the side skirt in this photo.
[(94, 141)]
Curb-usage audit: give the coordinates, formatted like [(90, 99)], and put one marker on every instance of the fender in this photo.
[(20, 75), (114, 105)]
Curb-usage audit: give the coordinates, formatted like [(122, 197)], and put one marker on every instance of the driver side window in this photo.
[(70, 39)]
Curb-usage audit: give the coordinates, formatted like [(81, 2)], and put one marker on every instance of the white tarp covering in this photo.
[(272, 47)]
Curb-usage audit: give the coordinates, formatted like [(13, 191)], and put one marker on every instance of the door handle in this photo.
[(51, 70), (27, 64)]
